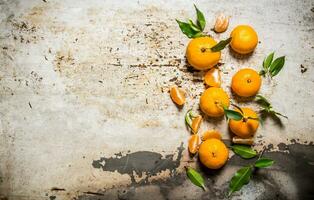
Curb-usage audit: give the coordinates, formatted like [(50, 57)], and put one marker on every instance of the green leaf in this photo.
[(262, 100), (232, 114), (277, 113), (276, 66), (267, 61), (195, 177), (264, 162), (221, 45), (194, 26), (244, 151), (187, 29), (262, 72), (200, 18), (199, 34), (240, 178)]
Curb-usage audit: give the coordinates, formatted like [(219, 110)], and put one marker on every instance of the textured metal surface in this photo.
[(85, 83)]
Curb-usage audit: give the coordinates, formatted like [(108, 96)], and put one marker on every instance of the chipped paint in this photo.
[(143, 163)]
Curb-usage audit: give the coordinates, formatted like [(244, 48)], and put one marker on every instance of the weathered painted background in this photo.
[(85, 110)]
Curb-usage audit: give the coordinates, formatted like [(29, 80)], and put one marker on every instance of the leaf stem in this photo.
[(259, 157)]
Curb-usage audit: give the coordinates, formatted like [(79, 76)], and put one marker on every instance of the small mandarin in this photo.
[(199, 55), (213, 153), (244, 39), (246, 82), (212, 101), (245, 128), (212, 77)]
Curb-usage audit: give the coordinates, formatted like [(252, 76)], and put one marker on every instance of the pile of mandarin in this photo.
[(214, 101)]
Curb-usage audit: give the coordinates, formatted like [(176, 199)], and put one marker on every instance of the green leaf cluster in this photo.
[(243, 175), (194, 30), (191, 29), (272, 67), (267, 108)]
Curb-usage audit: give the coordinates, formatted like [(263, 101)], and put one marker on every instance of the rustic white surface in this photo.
[(96, 74)]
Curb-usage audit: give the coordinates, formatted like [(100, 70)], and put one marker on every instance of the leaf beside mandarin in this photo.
[(194, 26), (195, 177), (264, 162), (277, 113), (200, 18), (267, 61), (187, 29), (221, 45), (262, 100), (262, 72), (232, 114), (240, 178), (276, 66), (244, 151)]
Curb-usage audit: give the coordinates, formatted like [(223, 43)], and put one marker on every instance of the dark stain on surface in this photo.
[(297, 163), (52, 197), (140, 162), (303, 69)]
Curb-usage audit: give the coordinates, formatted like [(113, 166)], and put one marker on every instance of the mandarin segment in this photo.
[(194, 143), (212, 77), (213, 153), (212, 101), (177, 95), (196, 123), (199, 55)]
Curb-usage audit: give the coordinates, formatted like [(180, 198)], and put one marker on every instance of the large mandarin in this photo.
[(244, 39), (213, 153), (246, 127), (199, 55), (212, 101), (246, 82)]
